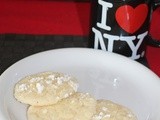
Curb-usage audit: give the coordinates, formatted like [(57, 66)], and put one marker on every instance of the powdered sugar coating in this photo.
[(108, 110), (39, 87), (45, 88), (80, 106)]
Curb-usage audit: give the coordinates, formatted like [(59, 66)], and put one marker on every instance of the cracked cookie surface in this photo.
[(45, 88)]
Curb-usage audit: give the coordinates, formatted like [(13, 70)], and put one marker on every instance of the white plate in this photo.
[(105, 75)]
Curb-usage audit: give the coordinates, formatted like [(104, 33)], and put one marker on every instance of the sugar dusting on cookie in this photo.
[(39, 87), (22, 87), (52, 86)]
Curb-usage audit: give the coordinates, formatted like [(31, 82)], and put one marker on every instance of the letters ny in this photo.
[(101, 37)]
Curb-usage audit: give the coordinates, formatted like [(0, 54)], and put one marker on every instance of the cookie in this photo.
[(108, 110), (45, 88), (80, 106)]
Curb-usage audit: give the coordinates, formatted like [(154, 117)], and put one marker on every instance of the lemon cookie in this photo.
[(80, 106), (45, 88), (108, 110)]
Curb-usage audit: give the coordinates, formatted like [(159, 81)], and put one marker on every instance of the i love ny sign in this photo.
[(129, 19)]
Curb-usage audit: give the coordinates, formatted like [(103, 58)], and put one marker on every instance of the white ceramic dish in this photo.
[(105, 75)]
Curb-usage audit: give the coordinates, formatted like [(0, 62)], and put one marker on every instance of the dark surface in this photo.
[(16, 47)]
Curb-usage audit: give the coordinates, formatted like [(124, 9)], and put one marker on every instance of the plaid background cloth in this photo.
[(28, 27)]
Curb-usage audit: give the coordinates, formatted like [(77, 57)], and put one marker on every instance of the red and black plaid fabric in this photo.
[(61, 18)]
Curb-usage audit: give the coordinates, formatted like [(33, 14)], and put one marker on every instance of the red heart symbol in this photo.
[(131, 19)]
